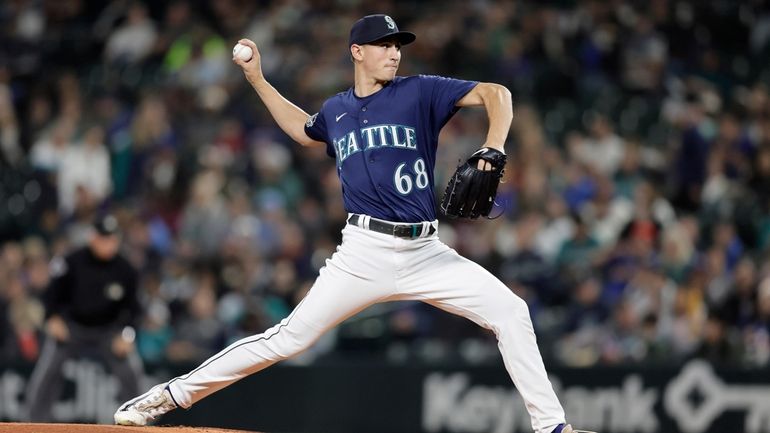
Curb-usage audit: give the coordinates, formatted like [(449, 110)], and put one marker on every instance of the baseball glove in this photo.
[(471, 192)]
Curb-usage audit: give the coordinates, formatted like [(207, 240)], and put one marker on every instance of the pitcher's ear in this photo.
[(356, 52)]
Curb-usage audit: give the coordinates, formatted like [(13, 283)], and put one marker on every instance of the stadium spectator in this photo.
[(639, 170), (84, 173), (133, 40)]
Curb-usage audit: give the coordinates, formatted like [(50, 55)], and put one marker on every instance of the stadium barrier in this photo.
[(692, 398)]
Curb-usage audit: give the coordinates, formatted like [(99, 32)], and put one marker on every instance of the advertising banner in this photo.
[(692, 398)]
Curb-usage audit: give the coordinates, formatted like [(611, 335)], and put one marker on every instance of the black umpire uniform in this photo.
[(91, 310)]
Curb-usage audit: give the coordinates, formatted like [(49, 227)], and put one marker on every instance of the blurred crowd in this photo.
[(633, 217)]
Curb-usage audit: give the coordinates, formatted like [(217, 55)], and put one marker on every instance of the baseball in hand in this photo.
[(242, 52)]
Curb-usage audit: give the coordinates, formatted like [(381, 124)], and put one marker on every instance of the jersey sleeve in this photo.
[(441, 94), (315, 128)]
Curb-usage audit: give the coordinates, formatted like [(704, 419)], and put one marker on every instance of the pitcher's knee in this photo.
[(288, 343), (509, 311), (513, 304)]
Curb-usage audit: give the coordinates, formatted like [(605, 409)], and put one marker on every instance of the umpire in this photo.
[(91, 309)]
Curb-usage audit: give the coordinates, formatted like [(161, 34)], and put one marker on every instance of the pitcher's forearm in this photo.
[(290, 118), (499, 106), (496, 99)]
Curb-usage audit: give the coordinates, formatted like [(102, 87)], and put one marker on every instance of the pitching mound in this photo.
[(101, 428)]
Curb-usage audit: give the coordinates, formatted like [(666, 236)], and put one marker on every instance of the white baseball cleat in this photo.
[(145, 408), (568, 429)]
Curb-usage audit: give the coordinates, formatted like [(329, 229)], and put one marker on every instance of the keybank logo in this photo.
[(452, 403), (717, 397)]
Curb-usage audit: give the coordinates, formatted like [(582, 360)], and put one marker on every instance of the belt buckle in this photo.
[(414, 230), (404, 231)]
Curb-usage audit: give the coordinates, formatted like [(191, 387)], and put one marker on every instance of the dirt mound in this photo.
[(103, 428)]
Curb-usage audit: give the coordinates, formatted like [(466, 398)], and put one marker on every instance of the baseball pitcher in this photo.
[(383, 133)]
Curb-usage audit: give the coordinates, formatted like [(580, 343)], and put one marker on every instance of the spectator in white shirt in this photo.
[(84, 173), (134, 40)]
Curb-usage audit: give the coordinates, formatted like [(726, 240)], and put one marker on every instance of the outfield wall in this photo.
[(692, 398)]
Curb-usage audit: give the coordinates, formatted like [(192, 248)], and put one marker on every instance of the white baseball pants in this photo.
[(371, 267)]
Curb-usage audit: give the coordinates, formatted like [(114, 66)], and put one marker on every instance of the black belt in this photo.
[(405, 231)]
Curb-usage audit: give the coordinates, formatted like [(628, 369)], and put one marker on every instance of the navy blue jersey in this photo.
[(385, 144)]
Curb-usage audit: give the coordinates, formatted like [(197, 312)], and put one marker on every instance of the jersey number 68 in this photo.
[(403, 181)]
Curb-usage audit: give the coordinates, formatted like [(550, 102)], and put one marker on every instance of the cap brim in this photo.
[(404, 38)]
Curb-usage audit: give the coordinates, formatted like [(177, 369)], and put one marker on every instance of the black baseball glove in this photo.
[(471, 192)]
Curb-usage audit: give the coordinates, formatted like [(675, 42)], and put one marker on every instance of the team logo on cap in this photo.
[(110, 223), (391, 23)]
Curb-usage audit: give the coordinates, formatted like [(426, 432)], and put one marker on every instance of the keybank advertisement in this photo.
[(690, 402), (693, 398)]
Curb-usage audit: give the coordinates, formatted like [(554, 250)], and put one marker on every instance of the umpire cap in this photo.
[(372, 28), (107, 225)]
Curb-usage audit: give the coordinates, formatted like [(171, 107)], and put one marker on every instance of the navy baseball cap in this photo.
[(372, 28)]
